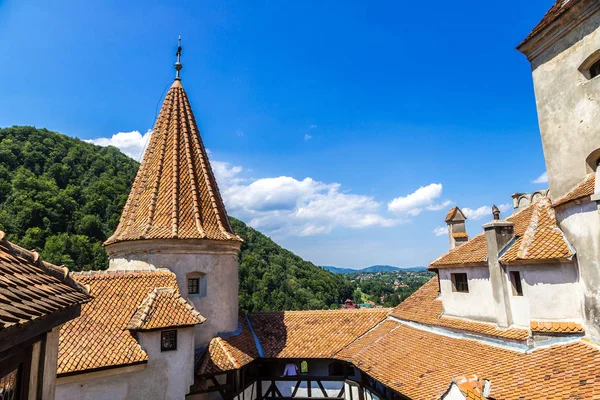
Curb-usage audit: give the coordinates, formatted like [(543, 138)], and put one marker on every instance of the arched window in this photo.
[(595, 69), (590, 68), (196, 284)]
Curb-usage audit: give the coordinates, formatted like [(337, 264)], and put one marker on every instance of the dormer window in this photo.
[(460, 283)]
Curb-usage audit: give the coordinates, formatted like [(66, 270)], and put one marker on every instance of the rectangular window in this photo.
[(168, 340), (193, 286), (460, 283), (515, 280)]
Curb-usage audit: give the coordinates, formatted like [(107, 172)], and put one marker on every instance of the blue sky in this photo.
[(344, 130)]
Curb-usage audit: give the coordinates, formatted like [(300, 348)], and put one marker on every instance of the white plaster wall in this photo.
[(568, 105), (478, 304), (168, 375), (218, 261), (550, 292), (581, 225)]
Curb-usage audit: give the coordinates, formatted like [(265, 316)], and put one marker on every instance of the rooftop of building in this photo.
[(175, 193), (31, 289), (123, 300), (553, 14), (537, 238)]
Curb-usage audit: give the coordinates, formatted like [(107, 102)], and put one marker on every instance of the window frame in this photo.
[(516, 283), (162, 340), (588, 67), (460, 286), (196, 286), (202, 285)]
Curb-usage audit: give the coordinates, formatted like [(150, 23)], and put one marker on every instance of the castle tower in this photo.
[(175, 218), (564, 51)]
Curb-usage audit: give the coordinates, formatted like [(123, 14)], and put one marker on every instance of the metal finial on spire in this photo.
[(178, 65)]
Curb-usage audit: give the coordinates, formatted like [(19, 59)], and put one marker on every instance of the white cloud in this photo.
[(287, 206), (423, 198), (307, 137), (440, 230), (483, 211), (313, 126), (543, 178), (131, 143)]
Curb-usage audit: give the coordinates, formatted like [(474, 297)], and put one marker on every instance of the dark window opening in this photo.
[(193, 286), (168, 340), (515, 280), (595, 69), (460, 283)]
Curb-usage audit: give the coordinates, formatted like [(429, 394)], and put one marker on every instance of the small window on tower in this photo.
[(168, 340), (196, 284), (515, 280), (460, 283), (193, 285), (595, 69)]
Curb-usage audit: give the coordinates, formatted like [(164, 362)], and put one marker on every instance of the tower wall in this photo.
[(568, 103), (215, 261)]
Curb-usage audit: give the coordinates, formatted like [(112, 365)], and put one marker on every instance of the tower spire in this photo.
[(178, 65)]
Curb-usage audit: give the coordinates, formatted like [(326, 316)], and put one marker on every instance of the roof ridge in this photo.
[(386, 319), (530, 231), (122, 272)]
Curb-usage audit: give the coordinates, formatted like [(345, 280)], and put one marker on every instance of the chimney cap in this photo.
[(496, 212)]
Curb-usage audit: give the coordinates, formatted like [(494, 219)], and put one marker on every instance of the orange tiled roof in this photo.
[(556, 327), (424, 307), (31, 289), (584, 189), (542, 239), (460, 235), (312, 334), (452, 213), (228, 352), (420, 364), (175, 194), (99, 338), (535, 229), (164, 308), (551, 15)]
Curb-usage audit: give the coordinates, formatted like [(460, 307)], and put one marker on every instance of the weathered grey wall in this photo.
[(581, 225), (218, 260), (168, 375), (568, 105)]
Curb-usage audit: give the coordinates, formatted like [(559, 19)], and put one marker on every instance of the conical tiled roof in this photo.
[(175, 194)]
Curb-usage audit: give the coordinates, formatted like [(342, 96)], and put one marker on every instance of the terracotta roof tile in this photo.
[(470, 386), (424, 307), (420, 365), (567, 327), (98, 338), (453, 212), (312, 334), (537, 238), (175, 194), (31, 288), (164, 308), (228, 352), (584, 189), (541, 240)]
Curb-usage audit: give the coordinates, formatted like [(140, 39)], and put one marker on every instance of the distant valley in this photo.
[(371, 269)]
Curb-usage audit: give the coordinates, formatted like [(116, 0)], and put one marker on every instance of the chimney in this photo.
[(457, 231), (499, 233)]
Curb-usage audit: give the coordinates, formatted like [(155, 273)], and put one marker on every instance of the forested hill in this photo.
[(64, 197)]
